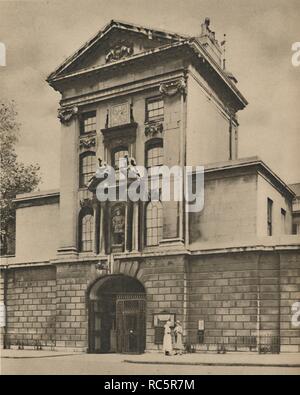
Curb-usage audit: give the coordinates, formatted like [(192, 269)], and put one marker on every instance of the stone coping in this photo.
[(287, 243), (211, 359)]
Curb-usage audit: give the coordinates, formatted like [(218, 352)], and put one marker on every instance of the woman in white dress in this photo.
[(167, 342), (178, 331)]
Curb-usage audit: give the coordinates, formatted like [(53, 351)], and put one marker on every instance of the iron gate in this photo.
[(130, 323)]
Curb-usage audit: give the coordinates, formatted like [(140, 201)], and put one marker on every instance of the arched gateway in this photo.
[(117, 315)]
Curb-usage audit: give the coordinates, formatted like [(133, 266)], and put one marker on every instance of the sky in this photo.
[(40, 34)]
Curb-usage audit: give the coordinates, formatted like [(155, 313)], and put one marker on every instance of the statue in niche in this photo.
[(118, 224)]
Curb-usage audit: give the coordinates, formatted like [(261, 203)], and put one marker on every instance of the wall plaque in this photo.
[(161, 318), (119, 115)]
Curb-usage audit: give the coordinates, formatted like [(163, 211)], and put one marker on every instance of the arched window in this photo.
[(154, 153), (117, 154), (154, 223), (86, 225), (86, 168)]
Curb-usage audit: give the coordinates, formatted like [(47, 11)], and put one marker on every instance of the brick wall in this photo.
[(269, 300), (72, 306), (238, 295), (290, 294), (164, 280), (223, 293), (31, 306)]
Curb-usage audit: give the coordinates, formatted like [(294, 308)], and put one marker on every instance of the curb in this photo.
[(279, 365), (38, 356)]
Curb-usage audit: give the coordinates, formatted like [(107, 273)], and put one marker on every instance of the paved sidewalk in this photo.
[(214, 359), (16, 354), (200, 359)]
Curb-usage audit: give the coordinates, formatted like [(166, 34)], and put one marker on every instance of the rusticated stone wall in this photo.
[(31, 306), (245, 300)]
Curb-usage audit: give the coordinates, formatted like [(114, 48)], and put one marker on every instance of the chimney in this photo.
[(208, 40)]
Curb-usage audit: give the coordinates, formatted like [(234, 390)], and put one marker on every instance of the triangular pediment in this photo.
[(116, 41)]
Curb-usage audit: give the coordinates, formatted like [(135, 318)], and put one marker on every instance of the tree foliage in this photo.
[(15, 176)]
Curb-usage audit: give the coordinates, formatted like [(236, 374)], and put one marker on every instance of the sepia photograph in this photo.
[(149, 190)]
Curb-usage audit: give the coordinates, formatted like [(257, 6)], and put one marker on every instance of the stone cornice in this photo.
[(259, 246), (108, 66), (191, 45), (253, 165), (123, 89), (36, 199), (201, 52), (10, 264), (128, 131), (194, 251), (149, 32)]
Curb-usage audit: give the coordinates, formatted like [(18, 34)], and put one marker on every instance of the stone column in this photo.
[(174, 93), (69, 181), (135, 227), (126, 228), (95, 223), (101, 230)]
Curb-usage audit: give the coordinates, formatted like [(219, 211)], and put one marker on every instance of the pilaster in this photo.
[(69, 181)]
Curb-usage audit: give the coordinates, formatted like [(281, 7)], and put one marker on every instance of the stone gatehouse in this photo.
[(105, 276)]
